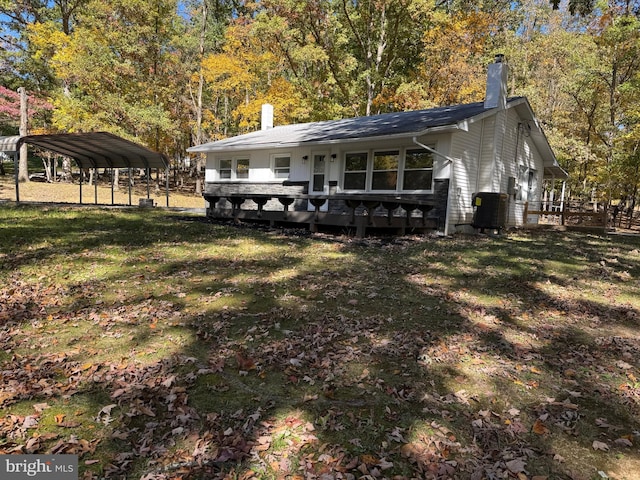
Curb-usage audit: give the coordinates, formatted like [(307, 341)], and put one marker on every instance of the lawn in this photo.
[(62, 192), (157, 345)]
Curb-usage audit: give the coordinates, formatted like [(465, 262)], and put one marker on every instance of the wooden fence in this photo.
[(568, 217)]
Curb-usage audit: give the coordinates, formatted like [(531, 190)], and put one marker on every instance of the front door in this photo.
[(319, 184)]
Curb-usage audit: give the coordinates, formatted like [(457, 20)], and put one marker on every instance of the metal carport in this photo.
[(92, 150)]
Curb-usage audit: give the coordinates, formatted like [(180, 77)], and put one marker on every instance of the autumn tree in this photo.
[(308, 41), (456, 49), (201, 33), (116, 69), (343, 54), (586, 7)]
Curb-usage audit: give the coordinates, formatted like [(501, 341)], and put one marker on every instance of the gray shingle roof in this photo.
[(388, 124)]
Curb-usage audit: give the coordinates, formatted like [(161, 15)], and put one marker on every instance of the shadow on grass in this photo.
[(204, 351)]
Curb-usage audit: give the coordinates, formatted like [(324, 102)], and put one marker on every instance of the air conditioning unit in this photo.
[(490, 211)]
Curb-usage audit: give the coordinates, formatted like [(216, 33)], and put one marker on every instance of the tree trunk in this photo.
[(23, 167), (46, 163), (66, 170)]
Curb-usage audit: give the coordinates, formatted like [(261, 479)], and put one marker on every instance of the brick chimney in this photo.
[(496, 92)]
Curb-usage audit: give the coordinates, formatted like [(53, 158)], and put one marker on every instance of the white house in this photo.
[(448, 169)]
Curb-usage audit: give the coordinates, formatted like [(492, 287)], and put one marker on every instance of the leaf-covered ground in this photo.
[(158, 346)]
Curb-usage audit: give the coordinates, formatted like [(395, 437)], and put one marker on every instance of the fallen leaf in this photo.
[(600, 446), (624, 442), (624, 365), (516, 466), (539, 428), (39, 407), (245, 363), (30, 421), (369, 459)]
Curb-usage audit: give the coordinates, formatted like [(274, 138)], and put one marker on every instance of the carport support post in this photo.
[(112, 198), (81, 172), (129, 181), (15, 168), (95, 183), (148, 173), (168, 173)]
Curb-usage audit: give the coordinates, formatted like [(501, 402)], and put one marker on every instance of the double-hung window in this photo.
[(355, 171), (281, 165), (418, 170), (232, 169), (242, 168), (225, 168), (384, 175)]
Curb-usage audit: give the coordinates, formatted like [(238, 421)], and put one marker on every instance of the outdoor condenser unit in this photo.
[(489, 210)]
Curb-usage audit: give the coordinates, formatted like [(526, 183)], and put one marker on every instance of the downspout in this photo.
[(450, 160)]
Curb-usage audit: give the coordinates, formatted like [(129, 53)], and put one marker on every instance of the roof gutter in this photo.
[(435, 152)]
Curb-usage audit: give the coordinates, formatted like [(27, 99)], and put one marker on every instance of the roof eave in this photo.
[(284, 145)]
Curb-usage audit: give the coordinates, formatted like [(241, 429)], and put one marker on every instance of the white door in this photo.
[(319, 184)]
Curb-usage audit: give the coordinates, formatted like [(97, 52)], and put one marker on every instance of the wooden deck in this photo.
[(400, 213)]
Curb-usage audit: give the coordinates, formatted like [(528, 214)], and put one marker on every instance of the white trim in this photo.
[(233, 170), (272, 164), (343, 170), (402, 157), (327, 159)]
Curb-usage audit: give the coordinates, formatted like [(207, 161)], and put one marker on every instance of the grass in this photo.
[(158, 345), (62, 192)]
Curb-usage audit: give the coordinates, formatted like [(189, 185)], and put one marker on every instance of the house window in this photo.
[(242, 168), (418, 170), (281, 166), (225, 168), (381, 170), (385, 170), (528, 184), (355, 172), (232, 169)]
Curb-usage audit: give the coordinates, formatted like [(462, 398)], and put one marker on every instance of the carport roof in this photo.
[(97, 150), (9, 144)]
